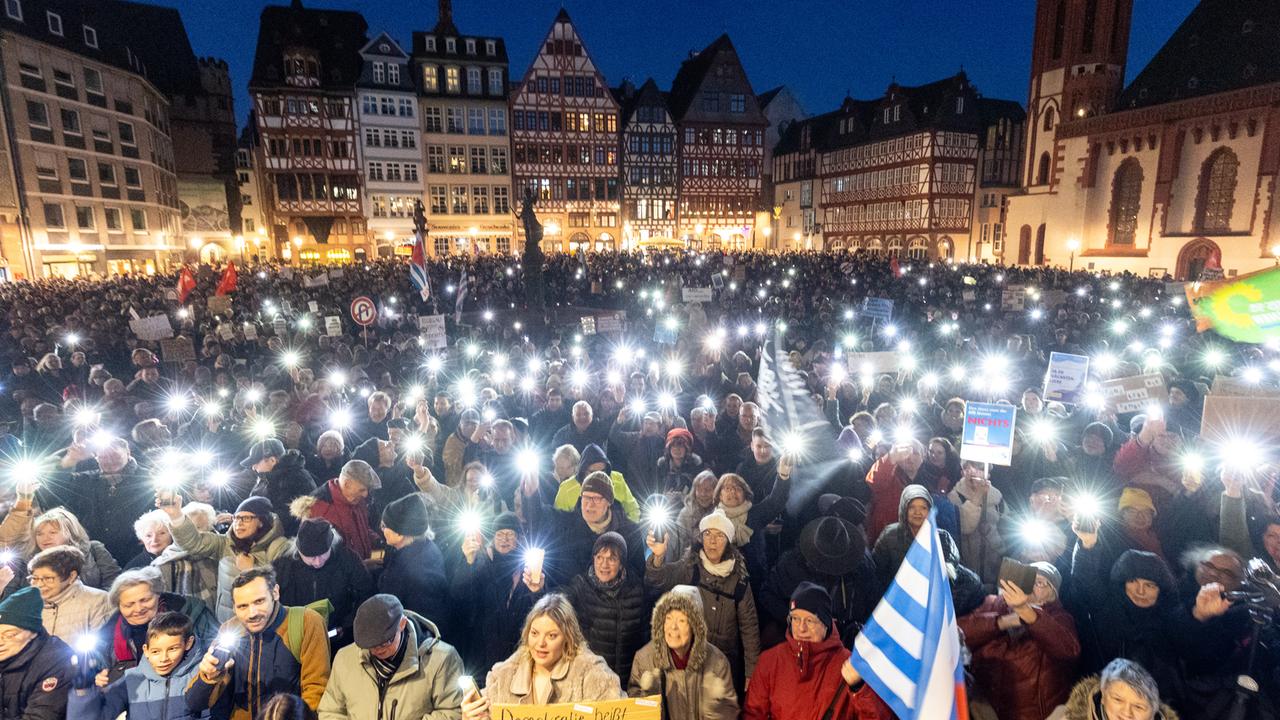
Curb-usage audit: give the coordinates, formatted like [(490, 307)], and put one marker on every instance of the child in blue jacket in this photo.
[(153, 690)]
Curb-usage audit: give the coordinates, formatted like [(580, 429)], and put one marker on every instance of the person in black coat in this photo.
[(320, 566), (330, 455), (106, 492), (611, 604), (414, 569), (491, 589), (281, 476), (570, 536), (35, 668)]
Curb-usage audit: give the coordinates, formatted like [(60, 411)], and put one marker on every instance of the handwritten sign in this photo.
[(155, 327), (1013, 298), (696, 294), (316, 280), (433, 332), (1065, 378), (645, 708), (610, 323), (1239, 387), (1132, 394), (332, 325), (176, 350), (988, 433)]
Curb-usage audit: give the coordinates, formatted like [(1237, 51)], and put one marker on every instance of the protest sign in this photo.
[(645, 708), (433, 332), (1013, 298), (316, 280), (877, 309), (609, 323), (988, 433), (313, 306), (1132, 394), (279, 326), (717, 281), (1053, 298), (968, 295), (588, 324), (696, 294), (337, 273), (226, 332), (220, 304), (155, 327), (1251, 419), (286, 273), (332, 325), (176, 350), (1064, 379), (251, 330), (1238, 387), (863, 363)]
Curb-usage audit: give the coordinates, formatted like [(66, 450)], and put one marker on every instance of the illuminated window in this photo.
[(1126, 196), (1217, 193)]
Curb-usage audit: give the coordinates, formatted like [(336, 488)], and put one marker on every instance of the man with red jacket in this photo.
[(344, 502), (808, 677), (1024, 648)]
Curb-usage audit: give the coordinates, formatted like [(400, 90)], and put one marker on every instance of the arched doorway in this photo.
[(579, 240), (1191, 259), (946, 248), (213, 253), (1024, 245), (917, 248), (1039, 259)]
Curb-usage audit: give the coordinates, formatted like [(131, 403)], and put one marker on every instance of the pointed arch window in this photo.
[(1215, 197), (1126, 198)]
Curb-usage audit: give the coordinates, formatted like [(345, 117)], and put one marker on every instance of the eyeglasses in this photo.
[(594, 500), (806, 623), (243, 518), (42, 579)]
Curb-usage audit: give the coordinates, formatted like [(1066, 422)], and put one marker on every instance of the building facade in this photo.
[(88, 184), (304, 103), (649, 166), (462, 86), (390, 143), (203, 126), (253, 226), (1176, 170), (564, 144)]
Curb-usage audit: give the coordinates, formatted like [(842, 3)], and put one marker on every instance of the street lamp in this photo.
[(1073, 245), (1275, 252)]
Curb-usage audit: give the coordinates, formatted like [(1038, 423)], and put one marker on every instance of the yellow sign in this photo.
[(645, 708)]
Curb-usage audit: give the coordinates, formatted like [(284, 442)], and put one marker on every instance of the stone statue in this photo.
[(533, 256)]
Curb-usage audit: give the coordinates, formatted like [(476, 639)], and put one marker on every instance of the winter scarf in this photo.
[(720, 569), (741, 531)]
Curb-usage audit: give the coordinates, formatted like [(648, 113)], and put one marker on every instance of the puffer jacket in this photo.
[(123, 652), (582, 678), (1026, 673), (799, 680), (728, 605), (264, 666), (424, 687), (1085, 703), (343, 580), (613, 619), (186, 575), (75, 611), (142, 693), (288, 480), (204, 544), (34, 683), (704, 688)]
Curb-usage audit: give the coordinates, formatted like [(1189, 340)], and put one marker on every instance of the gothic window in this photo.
[(1216, 195), (1126, 196), (1042, 172), (1049, 117)]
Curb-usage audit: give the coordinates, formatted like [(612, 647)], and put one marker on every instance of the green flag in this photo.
[(1246, 309)]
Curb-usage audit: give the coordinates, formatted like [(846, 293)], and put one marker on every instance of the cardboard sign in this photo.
[(320, 280), (1065, 378), (968, 295), (286, 273), (645, 708), (433, 332), (251, 330), (279, 326), (1236, 387), (313, 306), (1132, 394), (609, 323), (226, 332), (717, 281), (862, 363), (1013, 299), (219, 304), (1053, 298), (176, 350), (332, 325), (877, 309), (1256, 419), (988, 433), (696, 294), (588, 324), (155, 327)]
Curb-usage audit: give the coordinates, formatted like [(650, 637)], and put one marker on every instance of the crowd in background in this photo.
[(570, 512)]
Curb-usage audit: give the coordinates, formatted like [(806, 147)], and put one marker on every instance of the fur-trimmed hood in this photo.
[(1084, 702), (688, 600)]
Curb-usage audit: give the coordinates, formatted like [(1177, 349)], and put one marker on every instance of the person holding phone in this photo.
[(1024, 647)]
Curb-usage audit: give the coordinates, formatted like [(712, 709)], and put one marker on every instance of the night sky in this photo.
[(820, 48)]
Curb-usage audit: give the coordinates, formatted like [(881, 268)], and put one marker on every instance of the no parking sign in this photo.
[(363, 311)]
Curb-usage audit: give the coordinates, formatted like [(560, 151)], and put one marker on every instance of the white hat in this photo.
[(717, 520)]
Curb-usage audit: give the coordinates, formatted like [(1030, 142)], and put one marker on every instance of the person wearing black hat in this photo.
[(414, 569), (398, 667), (831, 552), (611, 605), (319, 566), (35, 667), (806, 677), (280, 476)]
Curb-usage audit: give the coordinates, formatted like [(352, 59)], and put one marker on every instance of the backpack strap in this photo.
[(293, 635)]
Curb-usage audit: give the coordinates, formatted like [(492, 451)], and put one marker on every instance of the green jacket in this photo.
[(218, 547)]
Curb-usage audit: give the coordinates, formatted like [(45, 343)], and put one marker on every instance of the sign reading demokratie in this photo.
[(645, 708)]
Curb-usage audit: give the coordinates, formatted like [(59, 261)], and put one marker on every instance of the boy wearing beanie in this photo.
[(35, 667)]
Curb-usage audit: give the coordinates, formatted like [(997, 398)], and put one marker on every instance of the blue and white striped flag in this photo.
[(909, 652)]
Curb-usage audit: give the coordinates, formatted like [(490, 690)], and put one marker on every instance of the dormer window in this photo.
[(450, 45), (301, 70), (55, 23), (471, 47), (379, 73), (90, 37), (393, 74), (13, 9), (959, 106), (431, 43), (897, 113), (490, 48)]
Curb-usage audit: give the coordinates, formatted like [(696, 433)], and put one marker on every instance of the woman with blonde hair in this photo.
[(552, 665), (27, 536)]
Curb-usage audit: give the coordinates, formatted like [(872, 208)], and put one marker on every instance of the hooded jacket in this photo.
[(289, 479), (1085, 703), (571, 489), (355, 522), (798, 680), (891, 547), (703, 689), (205, 544), (264, 666), (34, 683), (613, 619), (142, 693), (342, 579), (424, 686), (887, 481)]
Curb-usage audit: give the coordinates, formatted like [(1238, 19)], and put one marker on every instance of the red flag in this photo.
[(893, 266), (186, 283), (228, 282)]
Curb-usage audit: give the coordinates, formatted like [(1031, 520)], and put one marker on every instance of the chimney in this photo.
[(446, 12)]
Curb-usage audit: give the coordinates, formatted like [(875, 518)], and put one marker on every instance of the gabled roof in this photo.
[(375, 47), (630, 97), (1223, 45), (372, 52), (767, 96), (335, 36), (695, 76)]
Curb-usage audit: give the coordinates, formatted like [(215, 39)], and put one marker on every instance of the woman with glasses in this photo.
[(71, 608)]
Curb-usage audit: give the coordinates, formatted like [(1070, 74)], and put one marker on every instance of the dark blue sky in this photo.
[(820, 48)]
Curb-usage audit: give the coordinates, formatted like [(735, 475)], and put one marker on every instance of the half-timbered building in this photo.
[(648, 166), (564, 143)]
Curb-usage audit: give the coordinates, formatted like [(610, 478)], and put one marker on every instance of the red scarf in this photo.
[(361, 540), (680, 662)]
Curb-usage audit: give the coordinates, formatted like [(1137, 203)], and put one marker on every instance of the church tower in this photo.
[(1077, 71)]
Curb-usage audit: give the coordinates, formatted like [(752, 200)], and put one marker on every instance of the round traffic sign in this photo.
[(363, 311)]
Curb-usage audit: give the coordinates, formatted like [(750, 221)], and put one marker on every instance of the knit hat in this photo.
[(22, 610), (259, 506), (1101, 430), (1050, 573), (813, 598), (315, 537), (717, 520), (675, 434), (1137, 499), (407, 516), (600, 484), (507, 521), (613, 541), (377, 621)]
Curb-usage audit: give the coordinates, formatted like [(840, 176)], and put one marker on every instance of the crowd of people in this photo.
[(300, 519)]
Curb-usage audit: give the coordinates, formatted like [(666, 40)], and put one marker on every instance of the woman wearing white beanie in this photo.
[(716, 567)]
